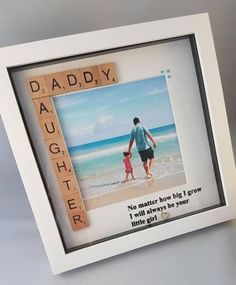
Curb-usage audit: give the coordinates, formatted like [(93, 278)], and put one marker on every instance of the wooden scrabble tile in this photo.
[(107, 73), (72, 80), (56, 147), (63, 166), (50, 128), (37, 87), (68, 185), (55, 83), (44, 107), (73, 202), (90, 77), (78, 220)]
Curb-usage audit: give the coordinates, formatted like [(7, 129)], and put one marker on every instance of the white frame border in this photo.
[(103, 40)]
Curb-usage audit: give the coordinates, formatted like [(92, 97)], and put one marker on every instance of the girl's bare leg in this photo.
[(132, 174)]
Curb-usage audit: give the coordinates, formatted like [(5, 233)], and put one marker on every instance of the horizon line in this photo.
[(75, 146)]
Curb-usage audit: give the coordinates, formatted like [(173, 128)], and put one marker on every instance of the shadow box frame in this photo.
[(196, 26)]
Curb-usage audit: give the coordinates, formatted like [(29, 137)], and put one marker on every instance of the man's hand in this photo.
[(151, 138)]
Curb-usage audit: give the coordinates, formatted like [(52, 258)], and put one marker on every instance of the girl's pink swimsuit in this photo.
[(128, 166)]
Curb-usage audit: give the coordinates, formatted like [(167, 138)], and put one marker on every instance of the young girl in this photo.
[(128, 165)]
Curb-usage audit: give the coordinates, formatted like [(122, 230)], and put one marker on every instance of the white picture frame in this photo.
[(198, 26)]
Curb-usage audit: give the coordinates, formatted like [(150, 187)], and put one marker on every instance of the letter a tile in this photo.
[(44, 107), (55, 83)]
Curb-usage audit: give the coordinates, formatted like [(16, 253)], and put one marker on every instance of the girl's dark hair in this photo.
[(125, 153)]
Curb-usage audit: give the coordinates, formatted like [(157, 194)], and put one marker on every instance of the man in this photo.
[(140, 135)]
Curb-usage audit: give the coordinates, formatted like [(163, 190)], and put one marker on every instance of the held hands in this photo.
[(154, 145)]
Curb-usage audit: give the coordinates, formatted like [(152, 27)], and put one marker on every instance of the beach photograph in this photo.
[(122, 140)]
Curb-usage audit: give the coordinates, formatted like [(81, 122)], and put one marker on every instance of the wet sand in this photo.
[(129, 191)]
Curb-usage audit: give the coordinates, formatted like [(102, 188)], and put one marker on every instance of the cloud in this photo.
[(124, 100), (104, 123), (152, 92), (66, 101), (79, 136), (156, 91), (103, 108)]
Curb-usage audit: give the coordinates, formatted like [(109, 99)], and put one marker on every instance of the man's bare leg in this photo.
[(145, 166), (151, 163)]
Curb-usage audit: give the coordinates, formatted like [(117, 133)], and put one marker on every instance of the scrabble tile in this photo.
[(79, 220), (44, 107), (90, 77), (37, 87), (55, 83), (72, 80), (107, 73), (56, 147), (73, 202), (50, 128), (68, 185), (63, 166)]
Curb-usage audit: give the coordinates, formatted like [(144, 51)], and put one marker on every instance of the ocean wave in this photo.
[(165, 137), (99, 153), (117, 149)]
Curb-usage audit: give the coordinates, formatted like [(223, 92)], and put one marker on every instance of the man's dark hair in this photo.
[(136, 121)]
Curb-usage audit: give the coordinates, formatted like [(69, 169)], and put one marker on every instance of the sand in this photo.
[(129, 191)]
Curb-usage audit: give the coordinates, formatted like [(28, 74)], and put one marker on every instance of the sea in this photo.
[(99, 165)]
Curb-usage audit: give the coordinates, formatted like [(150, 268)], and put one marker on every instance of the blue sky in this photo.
[(108, 112)]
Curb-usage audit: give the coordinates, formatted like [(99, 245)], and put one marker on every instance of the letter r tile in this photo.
[(79, 220)]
